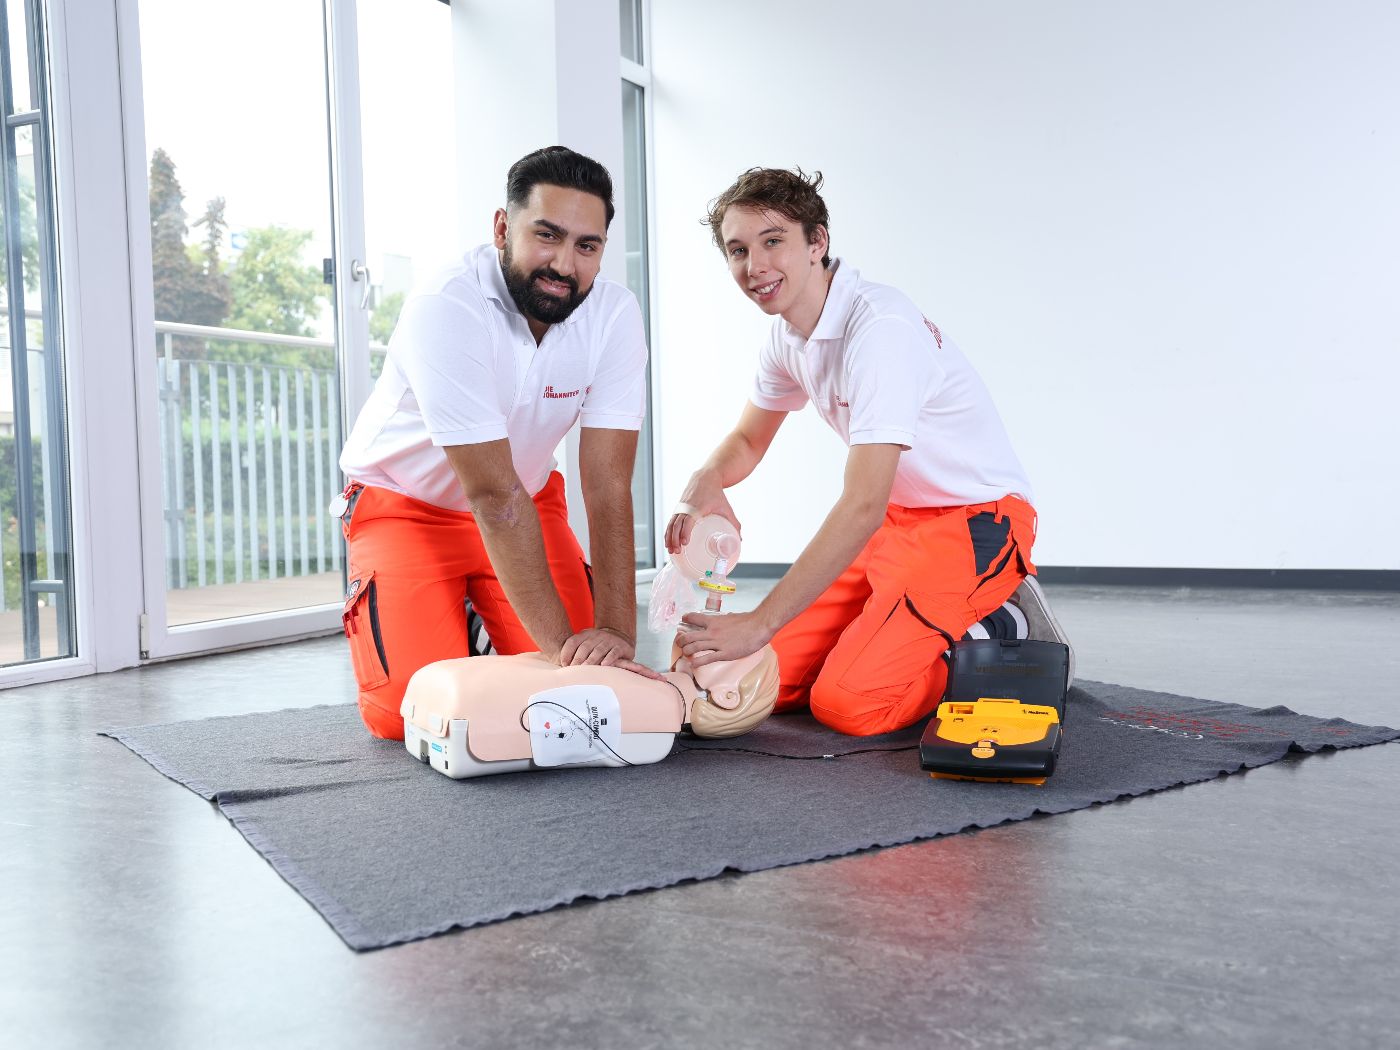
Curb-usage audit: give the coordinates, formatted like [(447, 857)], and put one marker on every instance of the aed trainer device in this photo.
[(1003, 715)]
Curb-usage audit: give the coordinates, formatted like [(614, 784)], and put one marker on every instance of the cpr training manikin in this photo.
[(501, 714)]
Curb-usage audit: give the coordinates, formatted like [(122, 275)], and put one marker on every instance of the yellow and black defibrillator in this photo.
[(1002, 717)]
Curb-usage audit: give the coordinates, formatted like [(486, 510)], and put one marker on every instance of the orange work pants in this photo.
[(867, 656), (412, 568)]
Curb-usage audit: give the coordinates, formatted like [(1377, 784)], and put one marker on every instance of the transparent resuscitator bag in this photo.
[(672, 596), (698, 569)]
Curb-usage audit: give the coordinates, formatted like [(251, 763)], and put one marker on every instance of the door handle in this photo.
[(360, 272)]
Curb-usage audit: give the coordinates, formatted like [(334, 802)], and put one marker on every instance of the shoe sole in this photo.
[(1040, 619)]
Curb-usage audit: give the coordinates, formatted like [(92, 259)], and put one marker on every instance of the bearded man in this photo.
[(453, 490)]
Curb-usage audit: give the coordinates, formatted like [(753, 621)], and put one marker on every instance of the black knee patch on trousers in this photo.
[(988, 537)]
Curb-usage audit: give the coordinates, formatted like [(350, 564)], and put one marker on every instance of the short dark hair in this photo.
[(558, 166), (792, 194)]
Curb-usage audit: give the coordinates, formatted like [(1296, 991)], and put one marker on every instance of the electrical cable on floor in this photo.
[(593, 733), (797, 758)]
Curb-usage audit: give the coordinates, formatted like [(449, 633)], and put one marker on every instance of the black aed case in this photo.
[(1002, 717)]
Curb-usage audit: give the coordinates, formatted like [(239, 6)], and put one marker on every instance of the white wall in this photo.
[(528, 74), (1165, 234)]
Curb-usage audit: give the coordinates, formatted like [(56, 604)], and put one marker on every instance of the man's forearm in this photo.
[(614, 558), (510, 529), (744, 447), (732, 461), (842, 536), (870, 471)]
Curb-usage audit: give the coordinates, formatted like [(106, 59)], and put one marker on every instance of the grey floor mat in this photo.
[(388, 850)]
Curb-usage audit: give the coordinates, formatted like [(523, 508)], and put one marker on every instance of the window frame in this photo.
[(639, 75)]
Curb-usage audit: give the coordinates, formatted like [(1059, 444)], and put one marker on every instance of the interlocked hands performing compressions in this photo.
[(605, 647)]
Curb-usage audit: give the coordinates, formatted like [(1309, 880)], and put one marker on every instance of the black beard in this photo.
[(533, 303)]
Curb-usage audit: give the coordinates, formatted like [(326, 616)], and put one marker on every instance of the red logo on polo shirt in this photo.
[(840, 403), (937, 335), (549, 391)]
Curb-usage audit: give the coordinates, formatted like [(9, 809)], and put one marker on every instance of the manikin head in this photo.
[(741, 693), (773, 228), (552, 231)]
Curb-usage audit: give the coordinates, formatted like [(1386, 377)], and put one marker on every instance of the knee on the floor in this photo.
[(791, 698), (380, 721), (857, 715)]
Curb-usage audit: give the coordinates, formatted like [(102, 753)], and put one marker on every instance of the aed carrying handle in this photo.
[(1033, 672)]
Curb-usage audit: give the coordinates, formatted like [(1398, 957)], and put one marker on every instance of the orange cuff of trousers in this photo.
[(412, 568), (867, 655)]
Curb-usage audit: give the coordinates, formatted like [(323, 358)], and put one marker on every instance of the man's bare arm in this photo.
[(848, 527), (605, 475), (606, 459), (510, 529), (845, 532)]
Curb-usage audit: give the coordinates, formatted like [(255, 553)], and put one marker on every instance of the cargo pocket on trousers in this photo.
[(899, 651), (361, 620)]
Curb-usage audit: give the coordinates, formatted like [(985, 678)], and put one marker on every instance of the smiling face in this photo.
[(551, 248), (775, 265)]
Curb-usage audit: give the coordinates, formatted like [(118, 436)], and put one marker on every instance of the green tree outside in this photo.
[(268, 287), (189, 283), (9, 524), (28, 236), (275, 291)]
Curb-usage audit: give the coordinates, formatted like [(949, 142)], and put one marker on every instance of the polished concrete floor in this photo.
[(1257, 910)]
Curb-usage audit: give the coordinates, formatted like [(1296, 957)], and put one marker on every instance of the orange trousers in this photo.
[(867, 656), (413, 566)]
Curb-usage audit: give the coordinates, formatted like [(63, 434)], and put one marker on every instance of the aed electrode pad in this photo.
[(575, 724)]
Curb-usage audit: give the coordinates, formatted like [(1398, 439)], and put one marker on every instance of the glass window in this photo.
[(631, 11), (240, 223), (241, 231), (36, 562), (634, 195), (22, 97), (410, 162)]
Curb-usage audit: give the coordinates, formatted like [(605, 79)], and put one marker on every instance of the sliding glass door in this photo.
[(248, 400), (266, 300), (37, 613)]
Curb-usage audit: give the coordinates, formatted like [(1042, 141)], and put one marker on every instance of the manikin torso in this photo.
[(479, 708)]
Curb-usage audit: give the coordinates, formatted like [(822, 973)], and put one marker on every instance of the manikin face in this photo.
[(774, 265), (551, 248)]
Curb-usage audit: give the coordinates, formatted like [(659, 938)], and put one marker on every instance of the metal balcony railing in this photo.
[(35, 556), (249, 452)]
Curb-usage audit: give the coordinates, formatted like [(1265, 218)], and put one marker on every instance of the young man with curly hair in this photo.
[(932, 533)]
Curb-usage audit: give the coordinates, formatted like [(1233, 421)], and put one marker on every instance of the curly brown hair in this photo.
[(791, 194)]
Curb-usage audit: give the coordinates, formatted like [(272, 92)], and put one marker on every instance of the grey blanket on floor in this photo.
[(389, 850)]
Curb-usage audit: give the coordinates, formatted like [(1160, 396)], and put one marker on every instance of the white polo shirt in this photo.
[(463, 368), (879, 372)]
